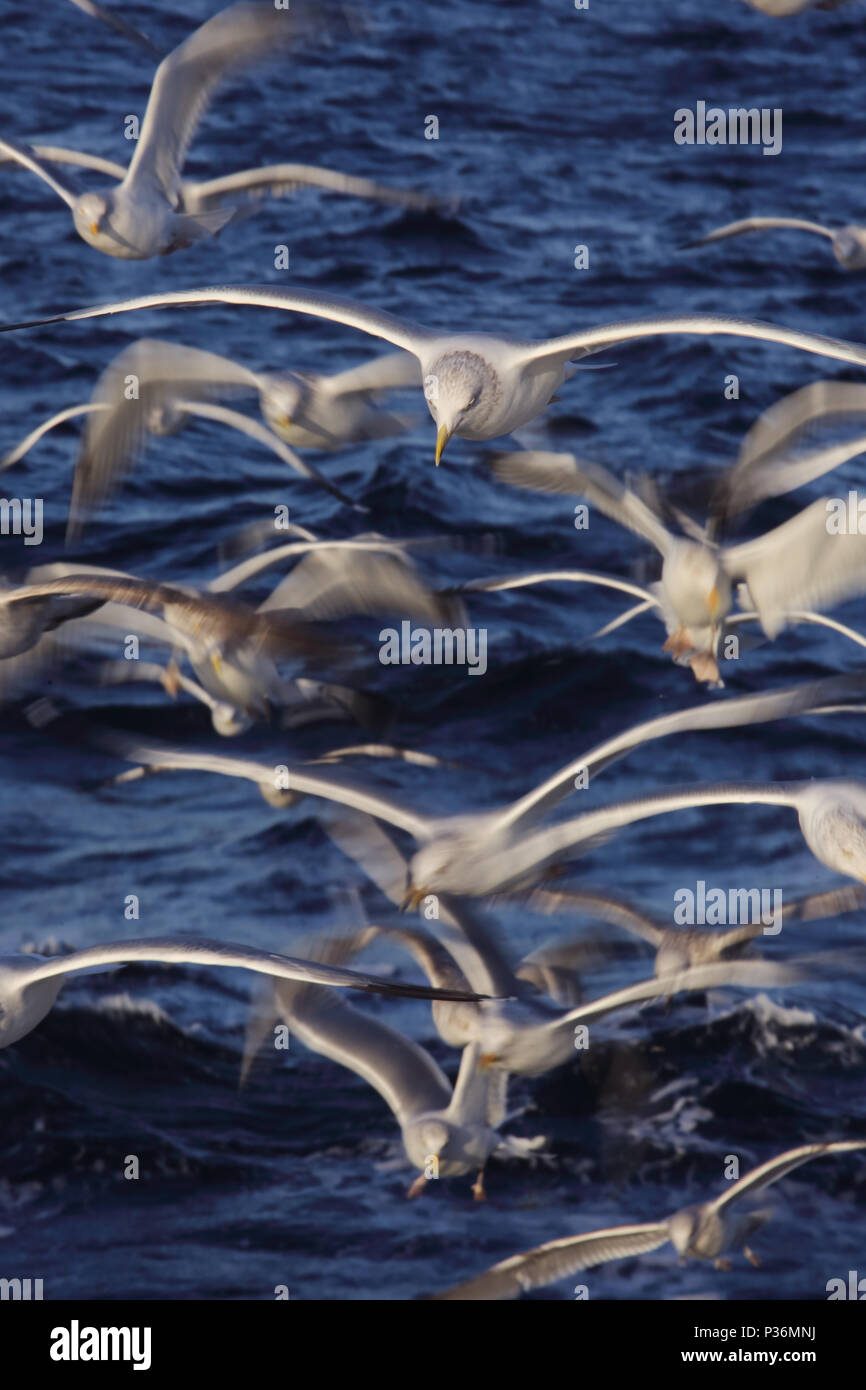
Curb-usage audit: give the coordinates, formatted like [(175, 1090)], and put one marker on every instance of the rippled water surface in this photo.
[(556, 130)]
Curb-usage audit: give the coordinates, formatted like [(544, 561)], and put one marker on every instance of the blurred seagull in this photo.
[(785, 573), (232, 648), (679, 948), (477, 385), (525, 1031), (475, 854), (702, 1232), (174, 383), (153, 211), (849, 243), (29, 984), (452, 1130)]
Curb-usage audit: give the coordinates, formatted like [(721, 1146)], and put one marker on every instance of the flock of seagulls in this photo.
[(275, 662)]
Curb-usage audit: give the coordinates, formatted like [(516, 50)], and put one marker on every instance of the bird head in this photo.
[(90, 215), (283, 401), (460, 389), (683, 1228), (836, 833), (425, 1138), (849, 247), (430, 869)]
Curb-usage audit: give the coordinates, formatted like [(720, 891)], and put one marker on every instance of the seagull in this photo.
[(29, 983), (832, 816), (522, 1030), (701, 1232), (234, 665), (477, 385), (233, 647), (679, 948), (453, 1130), (475, 854), (152, 211), (849, 243), (174, 383), (798, 565), (366, 576)]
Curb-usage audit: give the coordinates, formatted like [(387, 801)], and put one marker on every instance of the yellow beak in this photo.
[(284, 421), (487, 1060), (93, 228), (441, 440), (714, 601), (413, 899), (216, 663)]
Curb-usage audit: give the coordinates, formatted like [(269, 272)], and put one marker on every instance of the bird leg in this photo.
[(705, 668), (171, 678), (753, 1259), (478, 1187), (723, 1263), (679, 643), (417, 1187)]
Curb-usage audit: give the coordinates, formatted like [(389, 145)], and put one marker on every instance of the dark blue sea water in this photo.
[(556, 130)]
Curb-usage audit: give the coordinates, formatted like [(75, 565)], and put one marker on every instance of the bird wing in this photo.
[(557, 1258), (736, 973), (401, 332), (148, 375), (22, 154), (564, 473), (228, 953), (583, 833), (772, 477), (278, 179), (469, 1103), (436, 962), (760, 224), (734, 713), (392, 372), (59, 154), (800, 564), (766, 465), (120, 26), (303, 782), (332, 583), (26, 444), (521, 581), (575, 345), (363, 840), (254, 564), (186, 81), (618, 911), (776, 1168), (404, 1074)]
